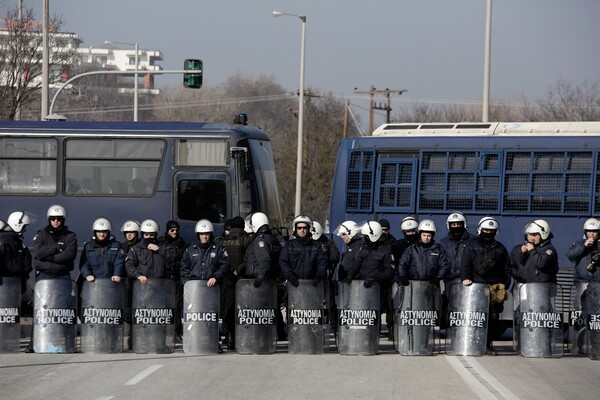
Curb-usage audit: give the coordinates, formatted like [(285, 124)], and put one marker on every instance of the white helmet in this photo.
[(131, 226), (538, 226), (17, 220), (149, 226), (316, 231), (456, 216), (427, 225), (591, 224), (248, 226), (488, 223), (409, 224), (258, 220), (372, 230), (204, 226), (302, 218), (346, 228), (101, 224), (56, 211)]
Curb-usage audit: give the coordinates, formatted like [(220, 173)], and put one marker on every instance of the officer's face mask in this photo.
[(456, 231), (488, 236)]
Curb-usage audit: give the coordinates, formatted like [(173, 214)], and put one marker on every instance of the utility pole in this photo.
[(386, 92)]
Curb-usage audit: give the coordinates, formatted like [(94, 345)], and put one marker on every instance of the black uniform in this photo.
[(236, 243), (15, 258), (538, 265), (303, 258), (55, 252), (152, 264), (262, 259), (582, 257), (423, 262), (173, 269), (486, 260), (204, 261)]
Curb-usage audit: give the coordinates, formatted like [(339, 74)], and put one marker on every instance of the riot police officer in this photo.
[(55, 247), (425, 260), (263, 257), (303, 257), (486, 260), (102, 257), (374, 262), (15, 258), (349, 231), (206, 259), (585, 253), (147, 259), (131, 233), (454, 244), (408, 226), (535, 260), (262, 261), (333, 258), (236, 243)]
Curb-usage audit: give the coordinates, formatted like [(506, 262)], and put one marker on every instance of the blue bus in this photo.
[(136, 170), (515, 172)]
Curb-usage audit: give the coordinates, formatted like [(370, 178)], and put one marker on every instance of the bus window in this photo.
[(202, 152), (28, 166), (114, 167), (198, 199)]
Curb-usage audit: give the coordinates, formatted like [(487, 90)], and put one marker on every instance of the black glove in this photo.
[(435, 281), (293, 279), (368, 283), (347, 279), (316, 281), (258, 281), (404, 281)]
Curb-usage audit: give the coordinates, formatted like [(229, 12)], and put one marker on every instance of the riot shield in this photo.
[(201, 311), (358, 318), (102, 310), (305, 318), (54, 316), (416, 319), (255, 318), (468, 314), (516, 292), (10, 313), (592, 308), (541, 330), (153, 314), (577, 318)]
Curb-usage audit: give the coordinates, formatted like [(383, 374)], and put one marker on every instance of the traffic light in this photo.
[(194, 80)]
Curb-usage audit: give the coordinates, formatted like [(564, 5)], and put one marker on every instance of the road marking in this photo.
[(148, 371), (479, 380)]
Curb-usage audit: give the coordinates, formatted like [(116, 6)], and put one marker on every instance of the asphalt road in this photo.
[(284, 376)]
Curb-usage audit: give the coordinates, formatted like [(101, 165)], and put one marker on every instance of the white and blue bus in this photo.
[(137, 170), (515, 172)]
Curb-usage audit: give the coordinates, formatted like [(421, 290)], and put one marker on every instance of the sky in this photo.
[(432, 48)]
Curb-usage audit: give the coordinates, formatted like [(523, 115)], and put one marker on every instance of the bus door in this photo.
[(395, 189), (201, 196)]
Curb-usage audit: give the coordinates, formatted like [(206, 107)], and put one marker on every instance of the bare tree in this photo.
[(21, 61)]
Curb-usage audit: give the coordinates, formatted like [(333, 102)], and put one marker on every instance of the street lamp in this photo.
[(135, 74), (300, 110)]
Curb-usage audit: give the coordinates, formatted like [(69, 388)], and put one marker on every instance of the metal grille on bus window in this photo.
[(547, 182), (597, 188), (359, 191), (395, 185), (459, 180)]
